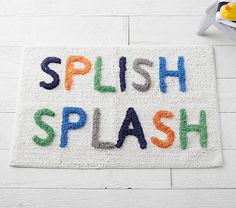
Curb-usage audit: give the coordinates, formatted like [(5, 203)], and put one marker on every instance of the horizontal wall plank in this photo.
[(117, 198), (7, 125), (227, 95), (82, 178), (173, 30), (224, 57), (8, 94), (102, 7), (19, 31), (228, 124), (10, 59), (223, 177), (228, 121)]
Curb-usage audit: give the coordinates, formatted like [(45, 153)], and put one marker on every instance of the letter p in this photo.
[(67, 125)]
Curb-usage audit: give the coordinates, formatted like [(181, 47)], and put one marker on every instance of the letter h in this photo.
[(180, 73)]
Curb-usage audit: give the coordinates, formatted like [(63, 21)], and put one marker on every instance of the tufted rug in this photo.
[(117, 107)]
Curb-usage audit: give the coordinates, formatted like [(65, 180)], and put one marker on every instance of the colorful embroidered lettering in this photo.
[(137, 131), (180, 73), (52, 73), (50, 131), (162, 127), (70, 70), (185, 128), (98, 78), (122, 100), (95, 137), (67, 125), (122, 65), (136, 66)]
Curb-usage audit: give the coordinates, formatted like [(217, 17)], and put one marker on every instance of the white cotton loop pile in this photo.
[(107, 118)]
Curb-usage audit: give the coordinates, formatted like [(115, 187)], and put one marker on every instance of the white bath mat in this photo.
[(117, 107)]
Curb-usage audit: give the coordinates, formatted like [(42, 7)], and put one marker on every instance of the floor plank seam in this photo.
[(137, 43), (225, 78), (69, 16), (171, 182), (179, 44), (116, 189), (128, 30), (104, 15)]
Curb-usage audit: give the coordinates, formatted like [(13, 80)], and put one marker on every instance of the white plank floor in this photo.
[(119, 22)]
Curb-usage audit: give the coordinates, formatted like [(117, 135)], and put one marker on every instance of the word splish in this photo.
[(71, 71)]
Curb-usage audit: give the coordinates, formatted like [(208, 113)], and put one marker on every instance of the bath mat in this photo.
[(117, 107)]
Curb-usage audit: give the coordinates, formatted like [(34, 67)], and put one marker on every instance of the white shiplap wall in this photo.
[(119, 22)]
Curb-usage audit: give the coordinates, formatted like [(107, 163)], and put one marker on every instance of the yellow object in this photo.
[(228, 11)]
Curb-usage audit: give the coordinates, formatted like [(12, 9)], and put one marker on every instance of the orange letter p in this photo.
[(70, 70)]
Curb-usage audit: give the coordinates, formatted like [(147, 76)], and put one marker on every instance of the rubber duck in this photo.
[(228, 11)]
